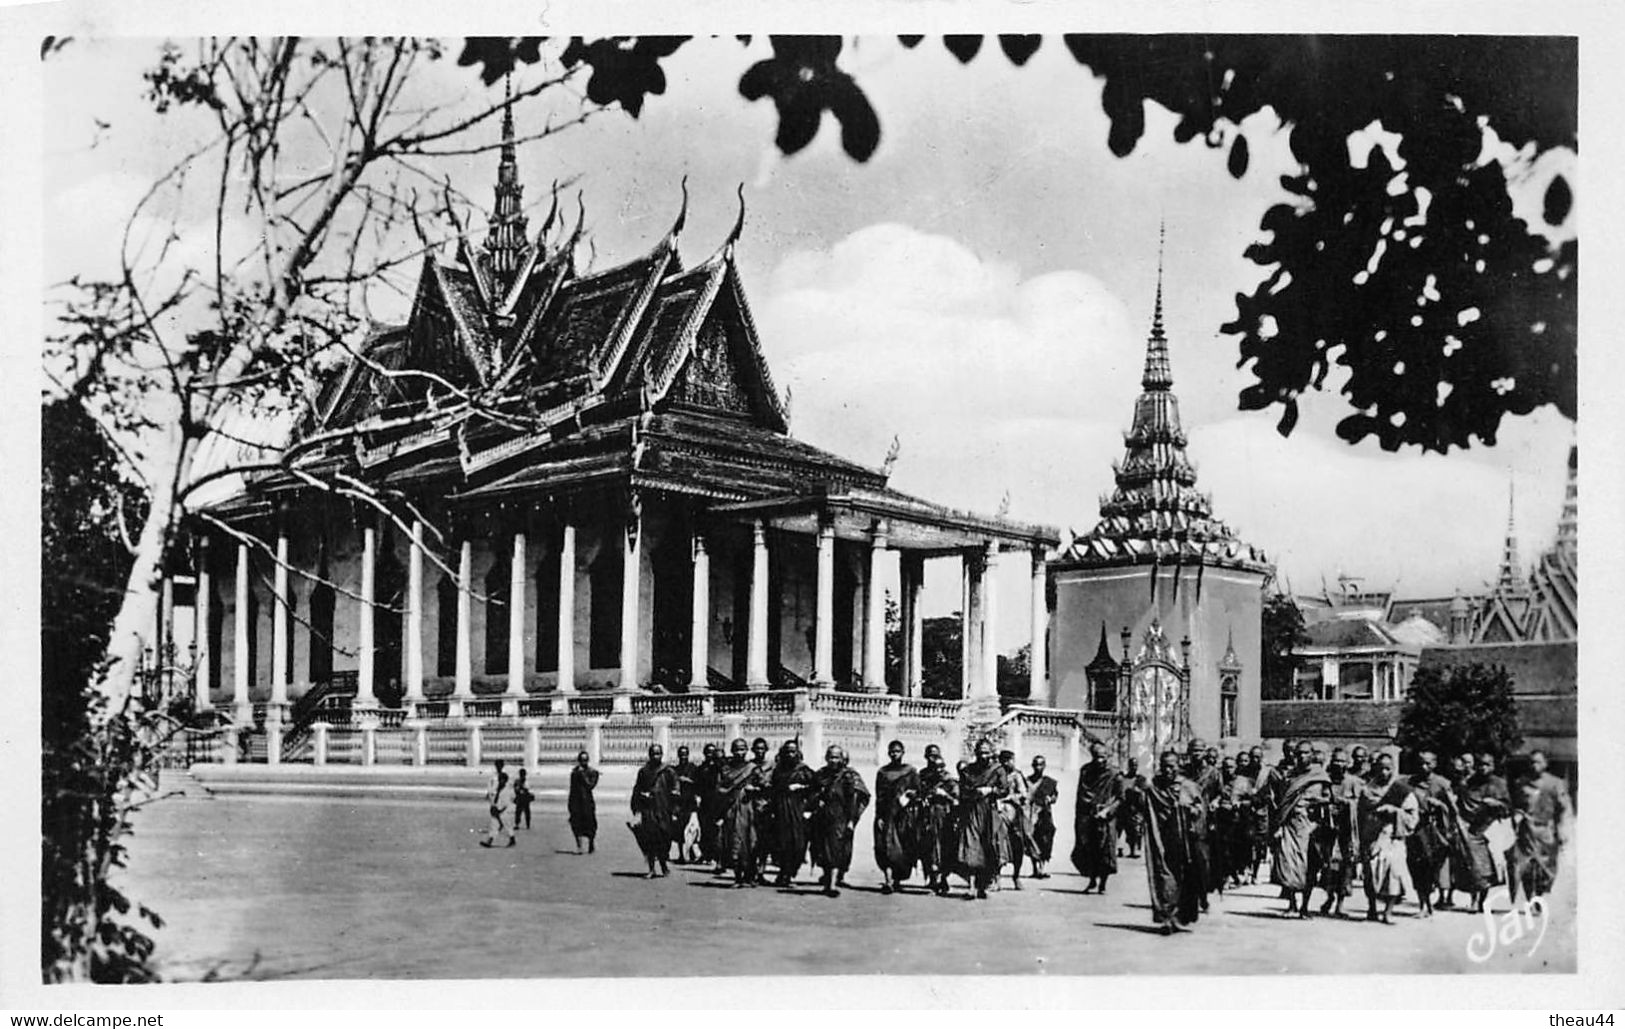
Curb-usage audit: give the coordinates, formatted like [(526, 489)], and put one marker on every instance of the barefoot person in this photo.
[(581, 807), (1388, 814), (939, 793), (789, 791), (1292, 823), (897, 784), (1169, 803), (496, 798), (1482, 801), (654, 799), (1541, 813), (1041, 802), (840, 798), (1100, 794), (739, 781), (977, 847)]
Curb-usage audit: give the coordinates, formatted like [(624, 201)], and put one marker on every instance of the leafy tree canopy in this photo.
[(1405, 267), (1462, 710)]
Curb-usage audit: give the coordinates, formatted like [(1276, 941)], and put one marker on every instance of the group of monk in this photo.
[(749, 817), (1319, 819), (1328, 819)]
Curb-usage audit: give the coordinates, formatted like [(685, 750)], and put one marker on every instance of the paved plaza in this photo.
[(291, 887)]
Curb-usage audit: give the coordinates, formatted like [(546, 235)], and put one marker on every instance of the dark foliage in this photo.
[(1445, 311), (1283, 631), (1469, 709), (940, 657), (88, 763)]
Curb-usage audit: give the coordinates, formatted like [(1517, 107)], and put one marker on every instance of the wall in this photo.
[(1213, 606)]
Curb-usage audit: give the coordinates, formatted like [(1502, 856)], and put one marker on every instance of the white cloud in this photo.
[(996, 383)]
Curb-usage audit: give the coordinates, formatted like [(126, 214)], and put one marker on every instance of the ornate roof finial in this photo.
[(1510, 581), (682, 215), (505, 240), (1158, 370), (739, 223)]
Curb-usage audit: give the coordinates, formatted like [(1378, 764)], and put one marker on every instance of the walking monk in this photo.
[(978, 851), (739, 781), (1169, 802), (1388, 814), (581, 807), (654, 800), (1100, 794), (1041, 802), (840, 798), (896, 786), (1541, 813), (1292, 825), (790, 790), (939, 792), (1482, 801)]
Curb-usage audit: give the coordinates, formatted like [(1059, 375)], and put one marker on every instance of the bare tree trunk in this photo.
[(137, 617)]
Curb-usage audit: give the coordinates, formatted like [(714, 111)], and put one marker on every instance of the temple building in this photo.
[(1159, 568), (564, 492)]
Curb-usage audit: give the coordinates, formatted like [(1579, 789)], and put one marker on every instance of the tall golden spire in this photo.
[(505, 239)]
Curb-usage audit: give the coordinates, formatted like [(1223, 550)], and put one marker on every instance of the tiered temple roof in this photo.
[(1156, 515), (518, 374)]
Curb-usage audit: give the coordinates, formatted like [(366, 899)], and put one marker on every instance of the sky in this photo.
[(981, 290)]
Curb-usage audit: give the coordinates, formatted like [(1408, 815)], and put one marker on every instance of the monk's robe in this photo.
[(1131, 813), (935, 838), (1481, 801), (1543, 809), (739, 781), (1388, 814), (582, 808), (1335, 839), (896, 825), (841, 798), (763, 814), (790, 791), (1041, 802), (1267, 788), (1292, 824), (1168, 805), (1094, 827), (654, 803), (1017, 840), (1237, 829), (976, 851), (687, 805), (1438, 832), (1209, 784), (710, 804)]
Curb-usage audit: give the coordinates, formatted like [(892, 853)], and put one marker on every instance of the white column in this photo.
[(201, 604), (631, 581), (366, 642), (465, 620), (968, 667), (756, 646), (912, 573), (567, 610), (874, 640), (988, 619), (241, 674), (1037, 688), (824, 625), (164, 654), (516, 617), (699, 633), (414, 615), (279, 622)]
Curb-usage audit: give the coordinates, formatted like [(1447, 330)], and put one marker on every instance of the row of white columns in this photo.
[(979, 613)]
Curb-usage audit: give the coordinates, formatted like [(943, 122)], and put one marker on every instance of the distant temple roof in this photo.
[(1156, 515)]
